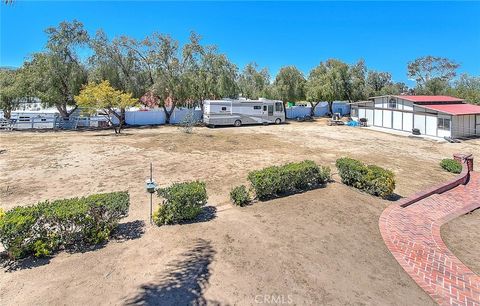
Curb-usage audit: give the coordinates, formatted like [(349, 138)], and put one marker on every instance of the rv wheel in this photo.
[(237, 123), (278, 121)]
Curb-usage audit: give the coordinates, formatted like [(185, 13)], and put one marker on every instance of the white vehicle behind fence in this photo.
[(242, 111)]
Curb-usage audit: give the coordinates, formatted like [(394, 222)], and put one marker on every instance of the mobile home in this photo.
[(437, 116), (239, 112)]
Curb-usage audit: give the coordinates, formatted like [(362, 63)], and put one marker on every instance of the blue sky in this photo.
[(273, 34)]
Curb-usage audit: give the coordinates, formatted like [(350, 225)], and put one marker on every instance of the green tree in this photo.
[(57, 75), (119, 63), (432, 74), (335, 80), (377, 81), (10, 91), (215, 77), (254, 83), (173, 70), (289, 85), (102, 96), (467, 87)]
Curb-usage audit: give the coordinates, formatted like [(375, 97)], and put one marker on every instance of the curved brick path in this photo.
[(412, 234)]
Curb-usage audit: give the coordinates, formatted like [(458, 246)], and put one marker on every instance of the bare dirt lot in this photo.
[(462, 237), (319, 247)]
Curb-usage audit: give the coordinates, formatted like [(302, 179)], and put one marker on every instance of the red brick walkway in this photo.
[(412, 234)]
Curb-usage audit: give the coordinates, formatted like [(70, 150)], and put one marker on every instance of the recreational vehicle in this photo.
[(238, 112)]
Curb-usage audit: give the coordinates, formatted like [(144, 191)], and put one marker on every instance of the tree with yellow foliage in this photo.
[(106, 99)]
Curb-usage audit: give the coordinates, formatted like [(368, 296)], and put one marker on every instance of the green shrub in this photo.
[(182, 202), (2, 213), (240, 196), (48, 226), (371, 179), (287, 179), (451, 165)]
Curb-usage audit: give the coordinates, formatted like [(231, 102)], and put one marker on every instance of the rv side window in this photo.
[(224, 108), (264, 108), (278, 107), (257, 107)]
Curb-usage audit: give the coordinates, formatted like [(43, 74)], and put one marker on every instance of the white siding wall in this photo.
[(397, 120), (419, 123), (464, 126), (407, 122), (369, 116), (431, 125), (378, 118), (387, 119)]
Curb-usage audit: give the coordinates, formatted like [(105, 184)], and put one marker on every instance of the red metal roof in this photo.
[(424, 99), (455, 109)]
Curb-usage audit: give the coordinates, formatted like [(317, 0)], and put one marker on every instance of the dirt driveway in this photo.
[(319, 247)]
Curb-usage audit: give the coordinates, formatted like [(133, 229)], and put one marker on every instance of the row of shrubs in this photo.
[(369, 178), (46, 227)]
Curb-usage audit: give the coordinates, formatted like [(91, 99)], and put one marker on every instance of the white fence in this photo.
[(321, 110), (155, 117)]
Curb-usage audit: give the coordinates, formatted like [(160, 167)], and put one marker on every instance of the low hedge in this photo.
[(46, 227), (288, 179), (240, 196), (369, 178), (451, 165), (182, 202)]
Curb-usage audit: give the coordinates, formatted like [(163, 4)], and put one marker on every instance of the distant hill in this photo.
[(8, 68)]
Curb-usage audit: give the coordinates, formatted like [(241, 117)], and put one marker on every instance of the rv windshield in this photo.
[(279, 107)]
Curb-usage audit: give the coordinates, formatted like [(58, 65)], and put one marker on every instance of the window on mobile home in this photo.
[(443, 124)]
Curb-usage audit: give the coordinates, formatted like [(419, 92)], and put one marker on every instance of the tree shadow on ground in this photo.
[(123, 232), (184, 281)]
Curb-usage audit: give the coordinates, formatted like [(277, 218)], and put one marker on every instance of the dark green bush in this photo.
[(287, 179), (48, 226), (182, 202), (240, 196), (372, 179), (451, 165)]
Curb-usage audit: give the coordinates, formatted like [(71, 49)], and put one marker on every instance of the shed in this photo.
[(437, 116)]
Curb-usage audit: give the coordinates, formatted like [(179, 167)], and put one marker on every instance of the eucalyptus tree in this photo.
[(253, 82), (467, 87), (119, 62), (10, 91), (213, 77), (377, 81), (289, 85), (432, 74), (430, 67), (57, 74), (335, 80)]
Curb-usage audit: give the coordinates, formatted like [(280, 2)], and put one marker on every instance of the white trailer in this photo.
[(239, 112)]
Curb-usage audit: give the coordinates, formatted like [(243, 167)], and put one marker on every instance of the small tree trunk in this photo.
[(330, 107), (313, 107), (122, 116)]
